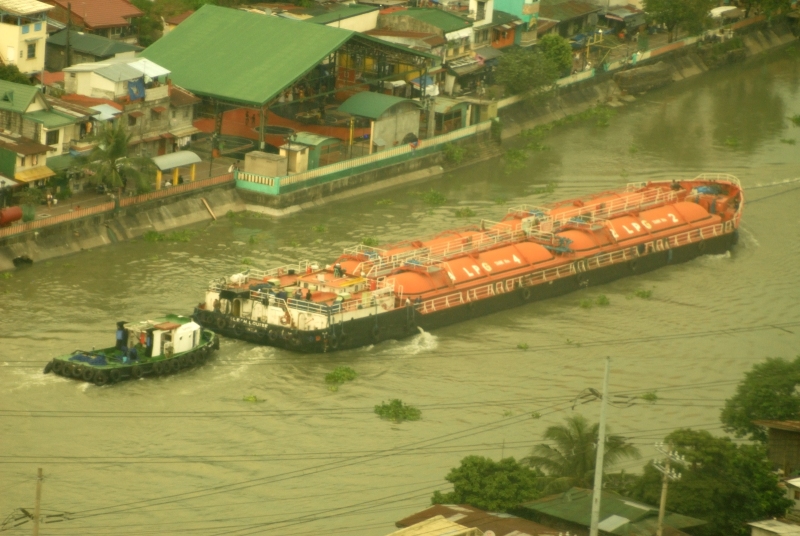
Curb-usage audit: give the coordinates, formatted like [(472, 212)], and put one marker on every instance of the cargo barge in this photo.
[(371, 294)]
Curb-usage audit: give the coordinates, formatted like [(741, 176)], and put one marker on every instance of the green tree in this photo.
[(570, 461), (110, 164), (677, 14), (768, 391), (489, 485), (11, 74), (526, 71), (767, 7), (725, 484), (558, 50)]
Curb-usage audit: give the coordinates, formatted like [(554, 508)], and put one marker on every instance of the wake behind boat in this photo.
[(370, 294)]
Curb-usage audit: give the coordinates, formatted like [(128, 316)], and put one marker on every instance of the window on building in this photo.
[(22, 161), (32, 50), (481, 11), (37, 27), (26, 29), (35, 160), (797, 495), (154, 115), (52, 137), (186, 112), (174, 113), (115, 31), (131, 121)]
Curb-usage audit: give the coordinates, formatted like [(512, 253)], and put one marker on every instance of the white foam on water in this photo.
[(748, 237)]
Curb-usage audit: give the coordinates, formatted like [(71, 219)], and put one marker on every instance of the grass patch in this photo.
[(370, 241), (642, 293), (396, 411), (586, 303), (788, 141), (384, 202), (175, 236), (795, 119), (465, 212), (602, 300)]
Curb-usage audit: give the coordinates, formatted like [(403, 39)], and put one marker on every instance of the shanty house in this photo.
[(526, 11), (23, 32), (322, 150), (84, 48), (23, 159), (437, 526), (571, 511), (107, 18), (570, 15), (392, 120), (783, 445), (500, 524)]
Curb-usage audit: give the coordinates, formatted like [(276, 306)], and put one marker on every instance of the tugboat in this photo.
[(370, 294), (152, 347)]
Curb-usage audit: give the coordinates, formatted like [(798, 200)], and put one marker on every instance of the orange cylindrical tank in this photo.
[(10, 214)]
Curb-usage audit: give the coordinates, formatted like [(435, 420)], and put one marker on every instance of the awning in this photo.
[(148, 68), (614, 17), (6, 182), (136, 114), (159, 109), (470, 68), (506, 26), (431, 89), (396, 83), (152, 138), (167, 136), (106, 112), (173, 160), (35, 174), (184, 131), (488, 53)]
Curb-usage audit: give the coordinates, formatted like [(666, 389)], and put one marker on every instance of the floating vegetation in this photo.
[(788, 141), (396, 411), (252, 398), (434, 197), (573, 343), (370, 241), (319, 229), (7, 275), (795, 119), (522, 346), (515, 160), (500, 200), (730, 141), (295, 244), (508, 413), (586, 303), (650, 397), (252, 239), (642, 293), (339, 376), (633, 149), (465, 212), (602, 300), (549, 188), (247, 261), (536, 415), (230, 214), (384, 202), (184, 235)]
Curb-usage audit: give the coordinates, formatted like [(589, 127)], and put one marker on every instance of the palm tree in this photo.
[(109, 161), (570, 461)]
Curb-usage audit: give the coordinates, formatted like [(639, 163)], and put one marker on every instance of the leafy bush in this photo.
[(644, 294), (454, 153), (370, 241), (526, 71), (602, 300), (64, 194), (396, 411), (28, 213), (558, 50), (586, 303)]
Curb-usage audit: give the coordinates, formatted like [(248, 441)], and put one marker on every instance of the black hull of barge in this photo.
[(403, 322)]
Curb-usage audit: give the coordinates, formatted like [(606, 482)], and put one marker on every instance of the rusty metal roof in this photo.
[(789, 426), (469, 516), (561, 10)]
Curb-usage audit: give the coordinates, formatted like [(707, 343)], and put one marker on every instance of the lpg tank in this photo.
[(10, 214)]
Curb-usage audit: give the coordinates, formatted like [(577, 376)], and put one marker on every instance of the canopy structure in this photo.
[(148, 68), (371, 105), (170, 161), (175, 161)]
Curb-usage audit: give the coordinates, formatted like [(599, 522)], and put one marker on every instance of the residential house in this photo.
[(84, 48), (355, 17), (437, 526), (468, 516), (24, 160), (783, 445), (627, 18), (526, 11), (23, 32), (774, 527), (107, 18), (572, 16), (393, 121), (172, 22), (26, 112), (140, 87), (793, 494), (571, 511), (181, 116), (431, 43)]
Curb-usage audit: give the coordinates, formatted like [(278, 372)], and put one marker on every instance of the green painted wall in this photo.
[(8, 162)]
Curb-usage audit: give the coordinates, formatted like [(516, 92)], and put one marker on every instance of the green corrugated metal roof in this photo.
[(309, 138), (16, 97), (243, 57), (371, 105), (96, 45), (342, 12), (447, 22), (575, 506), (50, 119)]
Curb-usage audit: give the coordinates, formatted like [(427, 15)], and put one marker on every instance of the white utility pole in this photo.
[(601, 450), (669, 474), (37, 506)]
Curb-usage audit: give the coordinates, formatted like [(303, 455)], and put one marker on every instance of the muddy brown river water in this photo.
[(185, 454)]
